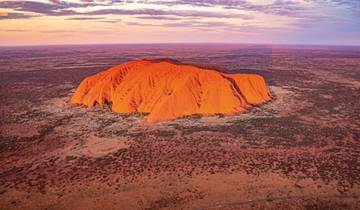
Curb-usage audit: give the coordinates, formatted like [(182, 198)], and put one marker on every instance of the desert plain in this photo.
[(300, 150)]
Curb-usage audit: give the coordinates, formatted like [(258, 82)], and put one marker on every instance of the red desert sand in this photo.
[(168, 90)]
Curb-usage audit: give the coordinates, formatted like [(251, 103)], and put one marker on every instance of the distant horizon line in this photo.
[(183, 43)]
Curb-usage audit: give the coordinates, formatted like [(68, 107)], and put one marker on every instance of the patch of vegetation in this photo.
[(134, 114), (164, 133), (191, 117)]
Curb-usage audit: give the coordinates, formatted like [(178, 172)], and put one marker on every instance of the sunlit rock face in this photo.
[(168, 90)]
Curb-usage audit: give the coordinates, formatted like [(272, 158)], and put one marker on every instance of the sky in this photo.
[(44, 22)]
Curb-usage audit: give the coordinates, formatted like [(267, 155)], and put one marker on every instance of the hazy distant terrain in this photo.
[(299, 151)]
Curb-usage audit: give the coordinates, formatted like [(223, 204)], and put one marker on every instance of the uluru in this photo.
[(168, 90)]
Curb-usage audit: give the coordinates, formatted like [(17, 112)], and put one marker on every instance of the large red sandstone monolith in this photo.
[(167, 90)]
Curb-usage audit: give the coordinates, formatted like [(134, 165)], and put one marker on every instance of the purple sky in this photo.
[(34, 22)]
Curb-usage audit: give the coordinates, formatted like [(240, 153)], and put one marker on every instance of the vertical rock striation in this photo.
[(168, 90)]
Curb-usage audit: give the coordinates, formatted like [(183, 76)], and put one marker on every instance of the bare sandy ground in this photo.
[(80, 175), (216, 191), (299, 151)]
